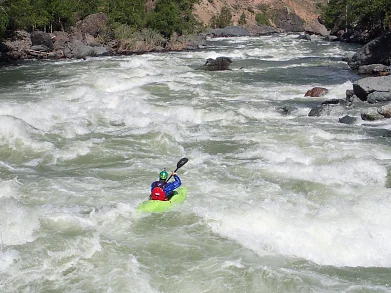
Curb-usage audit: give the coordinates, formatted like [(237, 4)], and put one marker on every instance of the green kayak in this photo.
[(157, 206)]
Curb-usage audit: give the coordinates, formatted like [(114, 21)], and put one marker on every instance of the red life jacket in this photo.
[(157, 192)]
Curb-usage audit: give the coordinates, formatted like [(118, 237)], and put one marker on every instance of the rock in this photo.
[(331, 38), (40, 48), (363, 87), (350, 96), (93, 24), (39, 38), (347, 120), (229, 31), (306, 37), (288, 21), (220, 63), (316, 92), (196, 42), (377, 97), (385, 111), (3, 48), (18, 45), (328, 108), (286, 110), (371, 114), (261, 30), (80, 50), (377, 51), (315, 27), (373, 69)]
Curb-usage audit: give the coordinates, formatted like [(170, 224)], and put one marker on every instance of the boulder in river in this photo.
[(316, 92), (220, 63)]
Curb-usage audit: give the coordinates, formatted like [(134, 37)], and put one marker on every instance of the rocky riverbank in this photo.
[(92, 36), (368, 100), (370, 97)]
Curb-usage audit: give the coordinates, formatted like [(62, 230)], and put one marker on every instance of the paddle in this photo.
[(178, 165)]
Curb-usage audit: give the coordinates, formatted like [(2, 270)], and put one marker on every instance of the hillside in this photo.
[(306, 9)]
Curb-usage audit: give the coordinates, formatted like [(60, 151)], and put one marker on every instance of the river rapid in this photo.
[(276, 203)]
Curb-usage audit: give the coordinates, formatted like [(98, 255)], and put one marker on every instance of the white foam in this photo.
[(17, 223), (7, 258), (9, 188), (18, 134), (340, 234)]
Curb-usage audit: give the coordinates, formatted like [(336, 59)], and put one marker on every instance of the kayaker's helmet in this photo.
[(163, 175)]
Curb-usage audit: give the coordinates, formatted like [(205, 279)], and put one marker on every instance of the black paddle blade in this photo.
[(181, 162), (178, 165)]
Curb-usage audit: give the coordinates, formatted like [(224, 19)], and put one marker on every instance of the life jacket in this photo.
[(157, 192)]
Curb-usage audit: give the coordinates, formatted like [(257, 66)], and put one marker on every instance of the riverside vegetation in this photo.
[(147, 25), (132, 25)]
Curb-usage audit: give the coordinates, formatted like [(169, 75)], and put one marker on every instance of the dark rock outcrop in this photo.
[(80, 42), (377, 51), (315, 27), (262, 30), (229, 31), (93, 24), (39, 38), (288, 21)]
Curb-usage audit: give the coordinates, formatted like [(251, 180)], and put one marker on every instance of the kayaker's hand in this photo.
[(173, 173)]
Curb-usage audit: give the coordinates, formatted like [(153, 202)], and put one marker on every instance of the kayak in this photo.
[(157, 206)]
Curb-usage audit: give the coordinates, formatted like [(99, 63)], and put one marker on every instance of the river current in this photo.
[(276, 203)]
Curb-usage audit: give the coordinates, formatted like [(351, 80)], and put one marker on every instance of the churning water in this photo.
[(276, 203)]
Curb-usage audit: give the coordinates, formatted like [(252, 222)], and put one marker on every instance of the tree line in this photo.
[(171, 16), (371, 15), (167, 17)]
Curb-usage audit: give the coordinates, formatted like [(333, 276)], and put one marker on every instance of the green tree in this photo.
[(188, 23), (242, 20), (168, 17), (43, 14), (223, 19), (165, 18), (82, 8), (130, 12), (365, 14), (3, 19), (262, 18), (171, 16), (20, 13), (61, 13)]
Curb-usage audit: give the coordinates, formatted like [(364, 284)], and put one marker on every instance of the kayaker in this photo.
[(161, 189)]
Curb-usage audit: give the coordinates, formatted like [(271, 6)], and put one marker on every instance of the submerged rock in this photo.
[(316, 92), (348, 119), (220, 63)]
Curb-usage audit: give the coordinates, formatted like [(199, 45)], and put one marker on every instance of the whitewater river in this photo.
[(276, 203)]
